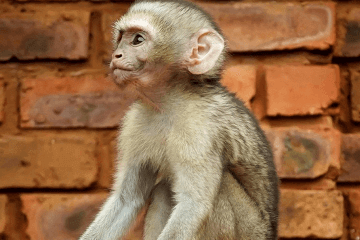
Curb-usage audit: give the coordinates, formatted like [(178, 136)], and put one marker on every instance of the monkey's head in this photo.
[(156, 39)]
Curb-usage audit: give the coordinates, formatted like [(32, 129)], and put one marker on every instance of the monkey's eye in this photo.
[(137, 40)]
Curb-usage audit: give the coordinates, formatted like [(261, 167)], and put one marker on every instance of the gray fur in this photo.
[(218, 180)]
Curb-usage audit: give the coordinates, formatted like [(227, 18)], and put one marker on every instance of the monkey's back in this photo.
[(210, 117), (250, 175)]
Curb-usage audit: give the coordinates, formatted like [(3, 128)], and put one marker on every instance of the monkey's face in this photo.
[(133, 57), (148, 47)]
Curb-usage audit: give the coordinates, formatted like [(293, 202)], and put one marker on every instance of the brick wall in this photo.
[(295, 64)]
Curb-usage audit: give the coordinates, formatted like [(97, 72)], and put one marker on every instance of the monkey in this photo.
[(187, 144)]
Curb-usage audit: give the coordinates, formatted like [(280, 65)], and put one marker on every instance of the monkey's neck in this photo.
[(156, 105), (156, 94), (153, 96)]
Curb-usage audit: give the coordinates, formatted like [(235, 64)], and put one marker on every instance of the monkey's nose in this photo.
[(118, 55)]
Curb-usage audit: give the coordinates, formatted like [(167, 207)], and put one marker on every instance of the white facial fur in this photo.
[(129, 60)]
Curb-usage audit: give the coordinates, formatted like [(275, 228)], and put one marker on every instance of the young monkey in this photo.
[(218, 180)]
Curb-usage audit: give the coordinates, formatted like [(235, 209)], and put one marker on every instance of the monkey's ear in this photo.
[(205, 48)]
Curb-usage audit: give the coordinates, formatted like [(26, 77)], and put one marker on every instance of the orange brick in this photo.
[(3, 201), (2, 100), (108, 20), (300, 153), (353, 197), (275, 26), (47, 162), (66, 216), (261, 26), (72, 102), (59, 216), (46, 1), (348, 37), (106, 155), (350, 148), (301, 90), (311, 214), (355, 94), (241, 80), (50, 34)]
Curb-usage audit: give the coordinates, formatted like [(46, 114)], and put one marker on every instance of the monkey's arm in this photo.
[(197, 179), (131, 190)]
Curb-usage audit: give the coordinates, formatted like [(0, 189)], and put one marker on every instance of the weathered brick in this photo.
[(47, 162), (262, 26), (355, 94), (241, 80), (72, 102), (68, 215), (301, 90), (353, 197), (348, 39), (59, 216), (321, 122), (39, 35), (314, 184), (46, 1), (300, 153), (309, 213), (275, 26), (350, 148), (334, 137), (3, 201), (2, 100), (108, 20)]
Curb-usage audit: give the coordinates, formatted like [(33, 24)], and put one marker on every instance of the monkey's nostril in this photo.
[(118, 55)]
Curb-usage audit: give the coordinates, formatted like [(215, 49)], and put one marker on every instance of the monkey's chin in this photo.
[(122, 77)]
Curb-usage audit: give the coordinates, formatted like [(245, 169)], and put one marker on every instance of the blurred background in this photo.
[(295, 64)]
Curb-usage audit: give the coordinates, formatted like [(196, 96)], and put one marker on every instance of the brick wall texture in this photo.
[(295, 64)]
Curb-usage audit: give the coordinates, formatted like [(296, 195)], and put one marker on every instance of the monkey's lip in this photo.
[(116, 69)]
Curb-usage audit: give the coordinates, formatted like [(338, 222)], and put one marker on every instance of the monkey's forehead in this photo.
[(176, 13), (159, 7), (135, 20)]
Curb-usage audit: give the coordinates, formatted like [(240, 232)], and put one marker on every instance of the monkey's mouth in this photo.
[(122, 73)]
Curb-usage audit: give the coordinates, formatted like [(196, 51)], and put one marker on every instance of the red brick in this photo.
[(66, 216), (300, 153), (355, 94), (353, 197), (3, 201), (301, 90), (108, 20), (275, 26), (72, 102), (41, 35), (47, 162), (313, 214), (241, 80), (348, 39), (350, 167), (2, 100)]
